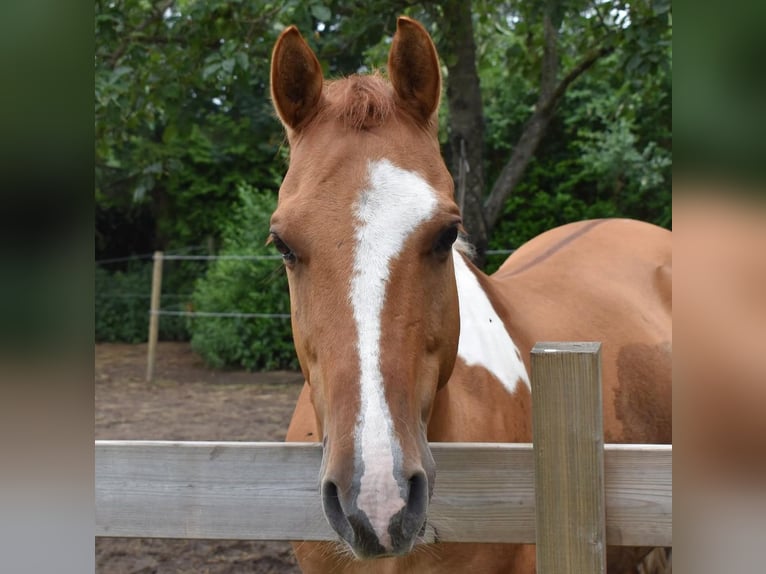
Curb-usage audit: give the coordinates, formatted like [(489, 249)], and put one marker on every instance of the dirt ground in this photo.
[(188, 401)]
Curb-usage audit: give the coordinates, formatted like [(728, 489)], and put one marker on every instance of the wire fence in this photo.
[(186, 254), (127, 258), (221, 257), (231, 314), (130, 301), (245, 257)]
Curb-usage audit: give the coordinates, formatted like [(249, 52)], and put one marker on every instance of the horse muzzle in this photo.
[(389, 527)]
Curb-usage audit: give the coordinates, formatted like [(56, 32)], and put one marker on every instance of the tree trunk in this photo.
[(466, 117)]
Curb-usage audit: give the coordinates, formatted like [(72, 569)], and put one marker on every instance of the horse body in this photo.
[(403, 341), (559, 286)]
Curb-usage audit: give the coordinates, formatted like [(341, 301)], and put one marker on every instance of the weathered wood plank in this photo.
[(569, 458), (639, 503), (269, 491)]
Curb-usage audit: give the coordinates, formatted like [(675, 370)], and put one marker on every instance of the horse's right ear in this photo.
[(296, 79)]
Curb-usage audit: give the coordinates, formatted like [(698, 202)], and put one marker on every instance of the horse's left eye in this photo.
[(445, 240)]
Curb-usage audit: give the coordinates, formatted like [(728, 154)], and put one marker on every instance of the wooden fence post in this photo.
[(569, 458), (154, 318)]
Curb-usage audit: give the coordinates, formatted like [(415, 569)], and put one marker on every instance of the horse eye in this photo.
[(446, 239), (287, 254)]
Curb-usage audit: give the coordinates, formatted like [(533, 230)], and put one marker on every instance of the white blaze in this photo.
[(394, 204), (484, 340)]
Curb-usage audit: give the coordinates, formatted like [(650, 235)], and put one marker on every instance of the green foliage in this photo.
[(182, 109), (532, 211), (248, 287), (122, 306), (183, 118), (607, 152)]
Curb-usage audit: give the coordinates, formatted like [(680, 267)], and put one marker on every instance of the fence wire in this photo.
[(179, 255), (234, 314)]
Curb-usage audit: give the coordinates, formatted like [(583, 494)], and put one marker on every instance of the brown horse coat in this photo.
[(403, 341)]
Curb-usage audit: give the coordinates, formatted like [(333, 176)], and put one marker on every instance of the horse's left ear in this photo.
[(413, 67)]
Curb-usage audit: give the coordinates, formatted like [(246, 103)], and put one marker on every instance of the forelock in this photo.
[(359, 101)]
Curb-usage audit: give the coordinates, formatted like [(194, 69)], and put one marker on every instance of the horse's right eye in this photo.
[(445, 240), (288, 256)]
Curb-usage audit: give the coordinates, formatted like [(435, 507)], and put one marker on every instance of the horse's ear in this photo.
[(413, 67), (296, 79)]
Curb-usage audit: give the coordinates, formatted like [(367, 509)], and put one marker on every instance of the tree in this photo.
[(182, 112), (598, 28), (554, 110)]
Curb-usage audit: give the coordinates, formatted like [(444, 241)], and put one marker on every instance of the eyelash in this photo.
[(288, 256)]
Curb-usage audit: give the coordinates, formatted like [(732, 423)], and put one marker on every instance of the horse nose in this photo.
[(395, 535)]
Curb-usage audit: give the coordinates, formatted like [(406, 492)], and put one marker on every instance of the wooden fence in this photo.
[(582, 495)]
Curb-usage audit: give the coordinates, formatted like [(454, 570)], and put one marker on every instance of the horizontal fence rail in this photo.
[(485, 492)]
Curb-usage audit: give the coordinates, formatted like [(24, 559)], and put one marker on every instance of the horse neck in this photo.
[(490, 375)]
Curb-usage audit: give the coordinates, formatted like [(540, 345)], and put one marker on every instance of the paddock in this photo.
[(485, 492)]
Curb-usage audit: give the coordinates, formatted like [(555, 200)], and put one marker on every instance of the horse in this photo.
[(403, 341)]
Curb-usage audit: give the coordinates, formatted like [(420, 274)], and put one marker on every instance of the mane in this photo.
[(359, 101)]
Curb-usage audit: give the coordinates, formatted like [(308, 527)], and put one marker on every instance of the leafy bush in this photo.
[(245, 286), (122, 306)]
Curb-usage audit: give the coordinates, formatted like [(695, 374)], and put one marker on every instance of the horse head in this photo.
[(366, 223)]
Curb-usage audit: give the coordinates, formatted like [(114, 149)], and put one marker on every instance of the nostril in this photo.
[(331, 502), (417, 501), (333, 510), (412, 518)]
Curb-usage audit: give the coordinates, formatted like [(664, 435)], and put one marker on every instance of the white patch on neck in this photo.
[(484, 341), (388, 211)]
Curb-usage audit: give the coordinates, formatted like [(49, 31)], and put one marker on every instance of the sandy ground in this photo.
[(188, 401)]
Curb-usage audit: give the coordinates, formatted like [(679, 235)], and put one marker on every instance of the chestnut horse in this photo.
[(403, 341)]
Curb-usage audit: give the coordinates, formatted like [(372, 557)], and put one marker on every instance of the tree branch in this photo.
[(575, 73), (531, 136)]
